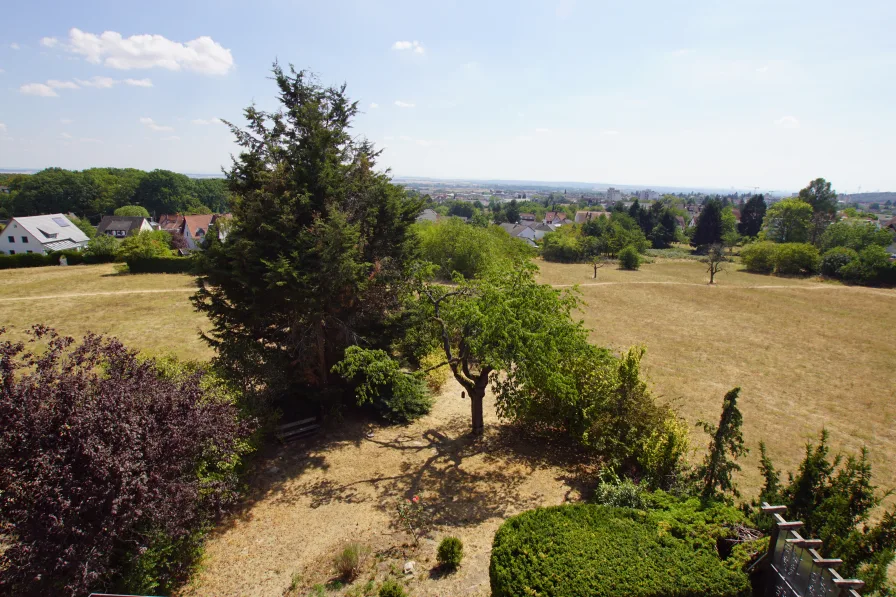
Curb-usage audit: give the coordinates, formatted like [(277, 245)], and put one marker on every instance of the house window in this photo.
[(25, 240), (11, 252), (29, 251), (11, 239)]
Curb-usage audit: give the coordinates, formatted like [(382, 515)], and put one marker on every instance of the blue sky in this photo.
[(767, 94)]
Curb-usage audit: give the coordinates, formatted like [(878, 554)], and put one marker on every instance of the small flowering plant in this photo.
[(414, 518)]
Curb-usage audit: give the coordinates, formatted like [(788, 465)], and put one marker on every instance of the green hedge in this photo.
[(781, 258), (161, 265), (599, 551), (24, 260), (40, 260)]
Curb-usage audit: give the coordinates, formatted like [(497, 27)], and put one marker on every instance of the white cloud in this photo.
[(171, 138), (681, 52), (609, 133), (2, 127), (388, 138), (15, 46), (524, 138), (62, 84), (414, 46), (65, 135), (405, 138), (203, 121), (2, 71), (542, 130), (98, 82), (90, 140), (402, 104), (787, 122), (138, 82), (150, 123), (38, 89), (374, 105), (202, 55), (66, 120), (49, 42), (762, 69), (424, 143)]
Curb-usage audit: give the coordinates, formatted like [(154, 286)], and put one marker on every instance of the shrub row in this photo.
[(161, 265), (871, 265), (600, 551), (40, 260), (767, 257)]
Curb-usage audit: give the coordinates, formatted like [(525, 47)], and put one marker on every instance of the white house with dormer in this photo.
[(41, 234)]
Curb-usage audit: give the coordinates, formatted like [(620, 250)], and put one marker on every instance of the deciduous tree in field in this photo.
[(788, 221), (823, 200), (715, 258), (146, 243), (502, 321), (315, 255)]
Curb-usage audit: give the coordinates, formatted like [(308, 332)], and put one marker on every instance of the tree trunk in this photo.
[(322, 369), (476, 399)]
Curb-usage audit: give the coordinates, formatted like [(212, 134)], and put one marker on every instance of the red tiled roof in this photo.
[(198, 222)]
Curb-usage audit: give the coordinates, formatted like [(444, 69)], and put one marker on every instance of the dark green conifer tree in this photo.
[(314, 257)]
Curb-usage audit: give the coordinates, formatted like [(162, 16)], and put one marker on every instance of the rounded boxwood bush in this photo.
[(759, 257), (450, 553), (796, 258), (629, 258), (600, 551), (836, 258)]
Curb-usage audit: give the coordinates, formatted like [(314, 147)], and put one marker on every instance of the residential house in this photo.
[(584, 216), (428, 215), (122, 226), (192, 228), (172, 223), (41, 234), (524, 218), (196, 227), (681, 222), (555, 218), (891, 226), (542, 229), (525, 233)]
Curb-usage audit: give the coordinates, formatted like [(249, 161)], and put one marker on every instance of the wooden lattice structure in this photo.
[(796, 568)]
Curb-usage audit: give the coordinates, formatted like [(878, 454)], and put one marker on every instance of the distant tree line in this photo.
[(802, 235), (607, 235), (96, 192)]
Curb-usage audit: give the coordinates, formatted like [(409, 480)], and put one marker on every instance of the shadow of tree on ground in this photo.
[(457, 492)]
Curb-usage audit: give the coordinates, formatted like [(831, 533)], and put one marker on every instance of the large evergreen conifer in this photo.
[(314, 256)]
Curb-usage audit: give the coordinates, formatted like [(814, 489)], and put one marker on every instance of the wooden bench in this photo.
[(297, 429)]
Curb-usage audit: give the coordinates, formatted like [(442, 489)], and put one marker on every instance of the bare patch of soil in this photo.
[(310, 499)]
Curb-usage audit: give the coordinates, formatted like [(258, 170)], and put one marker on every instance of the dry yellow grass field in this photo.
[(150, 312), (807, 354)]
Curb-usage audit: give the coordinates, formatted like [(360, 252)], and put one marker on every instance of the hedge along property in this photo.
[(676, 547)]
